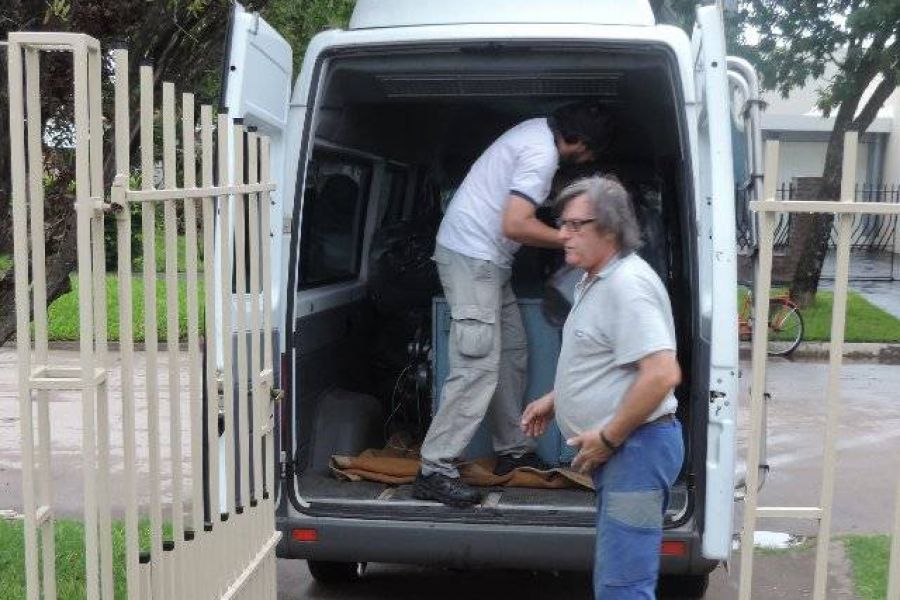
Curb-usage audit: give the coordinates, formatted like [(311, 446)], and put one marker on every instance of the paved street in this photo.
[(868, 440)]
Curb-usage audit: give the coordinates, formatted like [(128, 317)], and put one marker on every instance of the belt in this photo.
[(666, 418)]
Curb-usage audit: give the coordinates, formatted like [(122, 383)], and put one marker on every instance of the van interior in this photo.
[(393, 133)]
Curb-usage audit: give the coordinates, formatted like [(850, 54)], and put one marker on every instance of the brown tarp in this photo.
[(397, 466)]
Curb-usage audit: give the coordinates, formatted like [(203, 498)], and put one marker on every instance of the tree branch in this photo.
[(875, 102)]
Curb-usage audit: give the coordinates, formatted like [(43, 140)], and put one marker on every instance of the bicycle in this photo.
[(785, 323)]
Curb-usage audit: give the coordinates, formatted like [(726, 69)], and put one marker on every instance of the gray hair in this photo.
[(611, 206)]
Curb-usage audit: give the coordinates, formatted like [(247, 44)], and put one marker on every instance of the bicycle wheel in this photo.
[(785, 328)]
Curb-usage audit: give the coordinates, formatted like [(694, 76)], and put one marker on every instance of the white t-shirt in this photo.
[(520, 162), (620, 316)]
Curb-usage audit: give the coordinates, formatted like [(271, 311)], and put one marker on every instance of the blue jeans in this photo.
[(632, 495)]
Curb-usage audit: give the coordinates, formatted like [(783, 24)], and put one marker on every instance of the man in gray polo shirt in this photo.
[(613, 395), (491, 215)]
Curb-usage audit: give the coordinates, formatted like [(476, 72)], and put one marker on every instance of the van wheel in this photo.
[(331, 572), (683, 586)]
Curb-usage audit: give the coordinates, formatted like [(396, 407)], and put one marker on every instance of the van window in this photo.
[(333, 216)]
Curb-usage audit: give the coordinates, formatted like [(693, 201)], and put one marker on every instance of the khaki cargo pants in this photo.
[(488, 358)]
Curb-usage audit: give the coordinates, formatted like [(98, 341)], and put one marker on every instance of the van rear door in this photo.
[(257, 89), (717, 243)]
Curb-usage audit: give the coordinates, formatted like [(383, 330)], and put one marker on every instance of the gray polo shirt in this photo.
[(619, 316)]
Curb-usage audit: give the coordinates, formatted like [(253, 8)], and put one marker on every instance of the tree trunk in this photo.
[(61, 235), (815, 229)]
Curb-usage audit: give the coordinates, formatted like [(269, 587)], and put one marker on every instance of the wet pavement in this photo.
[(876, 276), (867, 472)]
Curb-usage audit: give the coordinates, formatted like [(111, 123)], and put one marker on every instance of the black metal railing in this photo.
[(871, 233)]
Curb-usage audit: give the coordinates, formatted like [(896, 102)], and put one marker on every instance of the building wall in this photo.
[(807, 159), (892, 150)]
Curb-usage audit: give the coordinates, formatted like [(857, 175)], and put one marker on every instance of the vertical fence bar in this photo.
[(240, 278), (100, 340), (268, 350), (758, 386), (39, 287), (23, 333), (84, 209), (835, 359), (148, 232), (257, 398), (266, 400), (172, 332), (126, 335), (229, 539), (209, 291), (193, 330)]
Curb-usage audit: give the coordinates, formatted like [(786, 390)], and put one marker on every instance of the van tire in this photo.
[(683, 586), (329, 572)]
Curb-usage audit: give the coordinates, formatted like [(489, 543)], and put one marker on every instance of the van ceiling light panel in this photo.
[(570, 84)]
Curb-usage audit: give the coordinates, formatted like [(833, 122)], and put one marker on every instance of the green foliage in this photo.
[(70, 553), (298, 22), (792, 42), (869, 562), (798, 39), (64, 319)]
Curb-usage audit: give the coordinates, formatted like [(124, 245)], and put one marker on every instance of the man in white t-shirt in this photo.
[(613, 397), (490, 216)]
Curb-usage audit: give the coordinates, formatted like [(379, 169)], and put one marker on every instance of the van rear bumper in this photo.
[(464, 545)]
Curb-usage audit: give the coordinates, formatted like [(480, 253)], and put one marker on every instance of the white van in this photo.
[(368, 145)]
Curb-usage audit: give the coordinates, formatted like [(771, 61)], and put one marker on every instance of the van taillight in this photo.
[(305, 535), (673, 549)]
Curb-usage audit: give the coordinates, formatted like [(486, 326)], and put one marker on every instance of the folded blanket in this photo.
[(397, 466)]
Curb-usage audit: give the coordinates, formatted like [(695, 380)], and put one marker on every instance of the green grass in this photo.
[(6, 263), (869, 561), (160, 253), (64, 318), (865, 321), (70, 553)]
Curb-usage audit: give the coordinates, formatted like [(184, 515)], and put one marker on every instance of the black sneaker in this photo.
[(448, 490), (507, 463)]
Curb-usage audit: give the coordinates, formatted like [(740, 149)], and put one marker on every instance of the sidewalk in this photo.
[(784, 575)]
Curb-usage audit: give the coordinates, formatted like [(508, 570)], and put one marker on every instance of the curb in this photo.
[(875, 352)]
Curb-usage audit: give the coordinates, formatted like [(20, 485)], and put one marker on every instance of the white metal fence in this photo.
[(198, 548), (845, 211)]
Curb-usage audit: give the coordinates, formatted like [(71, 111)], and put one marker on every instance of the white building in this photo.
[(804, 132)]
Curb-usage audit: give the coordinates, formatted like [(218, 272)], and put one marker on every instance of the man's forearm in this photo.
[(533, 232), (642, 398)]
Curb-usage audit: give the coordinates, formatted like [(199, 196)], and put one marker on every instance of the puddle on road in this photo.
[(771, 540)]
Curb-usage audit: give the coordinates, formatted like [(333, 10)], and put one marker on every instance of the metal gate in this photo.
[(845, 211), (205, 548)]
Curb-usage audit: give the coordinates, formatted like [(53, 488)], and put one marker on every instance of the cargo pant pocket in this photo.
[(473, 330)]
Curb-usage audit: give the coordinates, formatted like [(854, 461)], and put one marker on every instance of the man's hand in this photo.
[(592, 451), (537, 416)]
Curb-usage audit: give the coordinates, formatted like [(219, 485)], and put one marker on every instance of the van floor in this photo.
[(331, 497)]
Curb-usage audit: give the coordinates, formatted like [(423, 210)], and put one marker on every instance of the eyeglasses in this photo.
[(573, 225)]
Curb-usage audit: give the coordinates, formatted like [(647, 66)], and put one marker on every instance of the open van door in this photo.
[(717, 218), (257, 89)]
